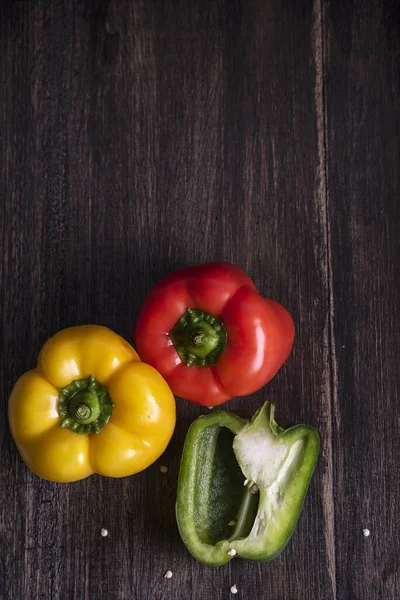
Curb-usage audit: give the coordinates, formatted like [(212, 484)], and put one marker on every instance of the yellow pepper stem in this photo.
[(85, 406)]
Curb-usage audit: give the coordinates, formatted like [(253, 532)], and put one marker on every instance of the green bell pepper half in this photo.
[(242, 485)]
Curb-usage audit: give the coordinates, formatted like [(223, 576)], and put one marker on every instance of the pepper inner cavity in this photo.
[(221, 496)]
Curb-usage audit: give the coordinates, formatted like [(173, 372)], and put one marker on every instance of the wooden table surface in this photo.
[(139, 136)]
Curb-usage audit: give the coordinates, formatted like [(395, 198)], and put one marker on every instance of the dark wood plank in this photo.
[(363, 106)]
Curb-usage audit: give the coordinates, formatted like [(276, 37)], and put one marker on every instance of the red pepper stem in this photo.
[(199, 338), (247, 512)]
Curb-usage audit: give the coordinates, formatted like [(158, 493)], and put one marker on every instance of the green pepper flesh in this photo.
[(242, 485)]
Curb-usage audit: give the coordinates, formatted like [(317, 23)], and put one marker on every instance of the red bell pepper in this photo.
[(211, 335)]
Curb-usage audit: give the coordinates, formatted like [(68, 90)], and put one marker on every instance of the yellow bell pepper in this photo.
[(90, 406)]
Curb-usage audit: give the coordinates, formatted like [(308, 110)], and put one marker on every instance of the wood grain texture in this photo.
[(137, 137), (362, 116)]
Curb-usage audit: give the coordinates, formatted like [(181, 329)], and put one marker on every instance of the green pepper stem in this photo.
[(199, 338), (85, 406), (247, 512)]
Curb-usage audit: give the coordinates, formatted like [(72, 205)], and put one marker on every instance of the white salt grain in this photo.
[(366, 532)]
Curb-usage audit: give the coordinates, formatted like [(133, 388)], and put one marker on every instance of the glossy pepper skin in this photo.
[(242, 485), (88, 380), (211, 335)]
